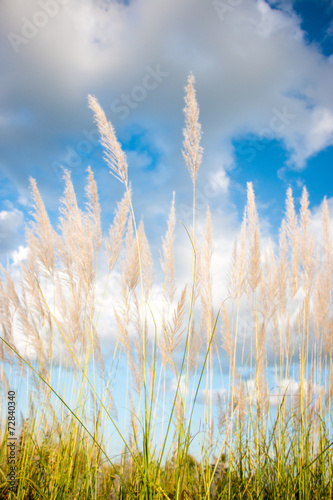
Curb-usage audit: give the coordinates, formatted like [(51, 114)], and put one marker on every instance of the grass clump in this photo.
[(274, 326)]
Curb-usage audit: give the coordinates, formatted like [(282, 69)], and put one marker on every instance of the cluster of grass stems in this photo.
[(276, 318)]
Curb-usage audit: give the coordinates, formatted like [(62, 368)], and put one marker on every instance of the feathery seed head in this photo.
[(192, 151), (114, 155), (167, 256)]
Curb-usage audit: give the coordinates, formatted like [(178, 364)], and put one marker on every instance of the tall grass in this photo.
[(267, 434)]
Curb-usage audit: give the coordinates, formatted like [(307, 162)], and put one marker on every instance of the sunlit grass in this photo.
[(250, 443)]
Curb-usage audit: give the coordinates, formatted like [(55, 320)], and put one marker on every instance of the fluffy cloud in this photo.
[(10, 223), (249, 66)]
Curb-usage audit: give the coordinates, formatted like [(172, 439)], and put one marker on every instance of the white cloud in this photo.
[(317, 220), (321, 134), (22, 200), (271, 22), (284, 391), (173, 385), (219, 182), (138, 160), (286, 388), (310, 137), (10, 223), (254, 61), (20, 255), (211, 395)]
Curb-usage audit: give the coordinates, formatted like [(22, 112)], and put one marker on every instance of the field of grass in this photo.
[(276, 318)]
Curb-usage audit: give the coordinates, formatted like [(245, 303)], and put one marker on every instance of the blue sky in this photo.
[(264, 80), (264, 75)]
